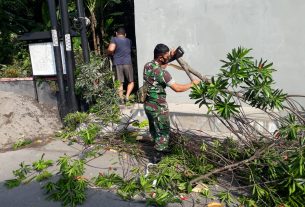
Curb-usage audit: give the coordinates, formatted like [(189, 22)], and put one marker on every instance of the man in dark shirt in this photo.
[(157, 79), (120, 48)]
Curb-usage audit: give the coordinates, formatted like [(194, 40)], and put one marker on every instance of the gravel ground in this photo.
[(22, 117)]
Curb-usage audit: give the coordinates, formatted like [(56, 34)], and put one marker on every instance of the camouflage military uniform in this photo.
[(155, 105)]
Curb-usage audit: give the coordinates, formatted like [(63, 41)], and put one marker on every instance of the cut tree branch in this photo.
[(256, 155)]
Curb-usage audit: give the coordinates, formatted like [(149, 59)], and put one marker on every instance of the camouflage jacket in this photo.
[(157, 79)]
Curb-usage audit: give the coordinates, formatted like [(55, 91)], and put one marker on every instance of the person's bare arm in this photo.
[(111, 49), (183, 87)]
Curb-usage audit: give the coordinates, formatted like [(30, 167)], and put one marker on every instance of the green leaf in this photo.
[(12, 183), (225, 108), (107, 181), (42, 164), (43, 176)]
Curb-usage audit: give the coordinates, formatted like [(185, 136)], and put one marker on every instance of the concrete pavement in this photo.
[(31, 195)]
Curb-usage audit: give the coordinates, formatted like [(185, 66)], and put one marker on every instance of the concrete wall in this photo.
[(25, 87), (208, 29)]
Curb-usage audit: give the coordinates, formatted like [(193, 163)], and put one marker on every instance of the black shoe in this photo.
[(156, 159), (121, 102), (159, 155)]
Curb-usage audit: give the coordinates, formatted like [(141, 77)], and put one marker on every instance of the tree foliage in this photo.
[(21, 16), (248, 79), (18, 17), (272, 163)]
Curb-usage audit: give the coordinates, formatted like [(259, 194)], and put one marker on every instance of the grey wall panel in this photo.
[(208, 29)]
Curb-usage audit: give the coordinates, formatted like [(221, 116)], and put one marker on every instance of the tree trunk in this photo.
[(102, 33), (98, 44), (93, 26)]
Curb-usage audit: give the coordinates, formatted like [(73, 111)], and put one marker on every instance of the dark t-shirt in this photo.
[(122, 51)]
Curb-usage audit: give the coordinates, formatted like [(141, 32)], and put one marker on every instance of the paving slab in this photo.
[(31, 195)]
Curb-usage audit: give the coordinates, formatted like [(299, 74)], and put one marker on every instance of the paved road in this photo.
[(31, 195)]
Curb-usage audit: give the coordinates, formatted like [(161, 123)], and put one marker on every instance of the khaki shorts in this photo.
[(124, 71)]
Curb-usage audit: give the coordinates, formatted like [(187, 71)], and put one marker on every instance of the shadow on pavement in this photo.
[(31, 195)]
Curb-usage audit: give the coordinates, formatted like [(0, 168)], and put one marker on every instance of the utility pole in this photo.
[(83, 30), (66, 35), (58, 62)]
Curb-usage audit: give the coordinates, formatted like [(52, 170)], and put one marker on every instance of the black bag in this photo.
[(142, 93)]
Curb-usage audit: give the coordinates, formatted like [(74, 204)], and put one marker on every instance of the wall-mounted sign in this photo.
[(43, 60)]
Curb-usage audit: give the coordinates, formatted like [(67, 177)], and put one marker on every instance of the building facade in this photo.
[(208, 29)]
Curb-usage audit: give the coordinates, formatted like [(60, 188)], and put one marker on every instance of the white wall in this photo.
[(208, 29)]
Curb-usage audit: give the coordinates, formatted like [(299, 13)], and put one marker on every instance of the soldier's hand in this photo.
[(196, 82), (172, 52)]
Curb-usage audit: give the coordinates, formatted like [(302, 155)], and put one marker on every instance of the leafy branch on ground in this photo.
[(274, 166)]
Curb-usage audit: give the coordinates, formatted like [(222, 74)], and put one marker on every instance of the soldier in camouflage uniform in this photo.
[(157, 79)]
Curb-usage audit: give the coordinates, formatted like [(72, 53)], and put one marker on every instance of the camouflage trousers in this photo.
[(159, 125)]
